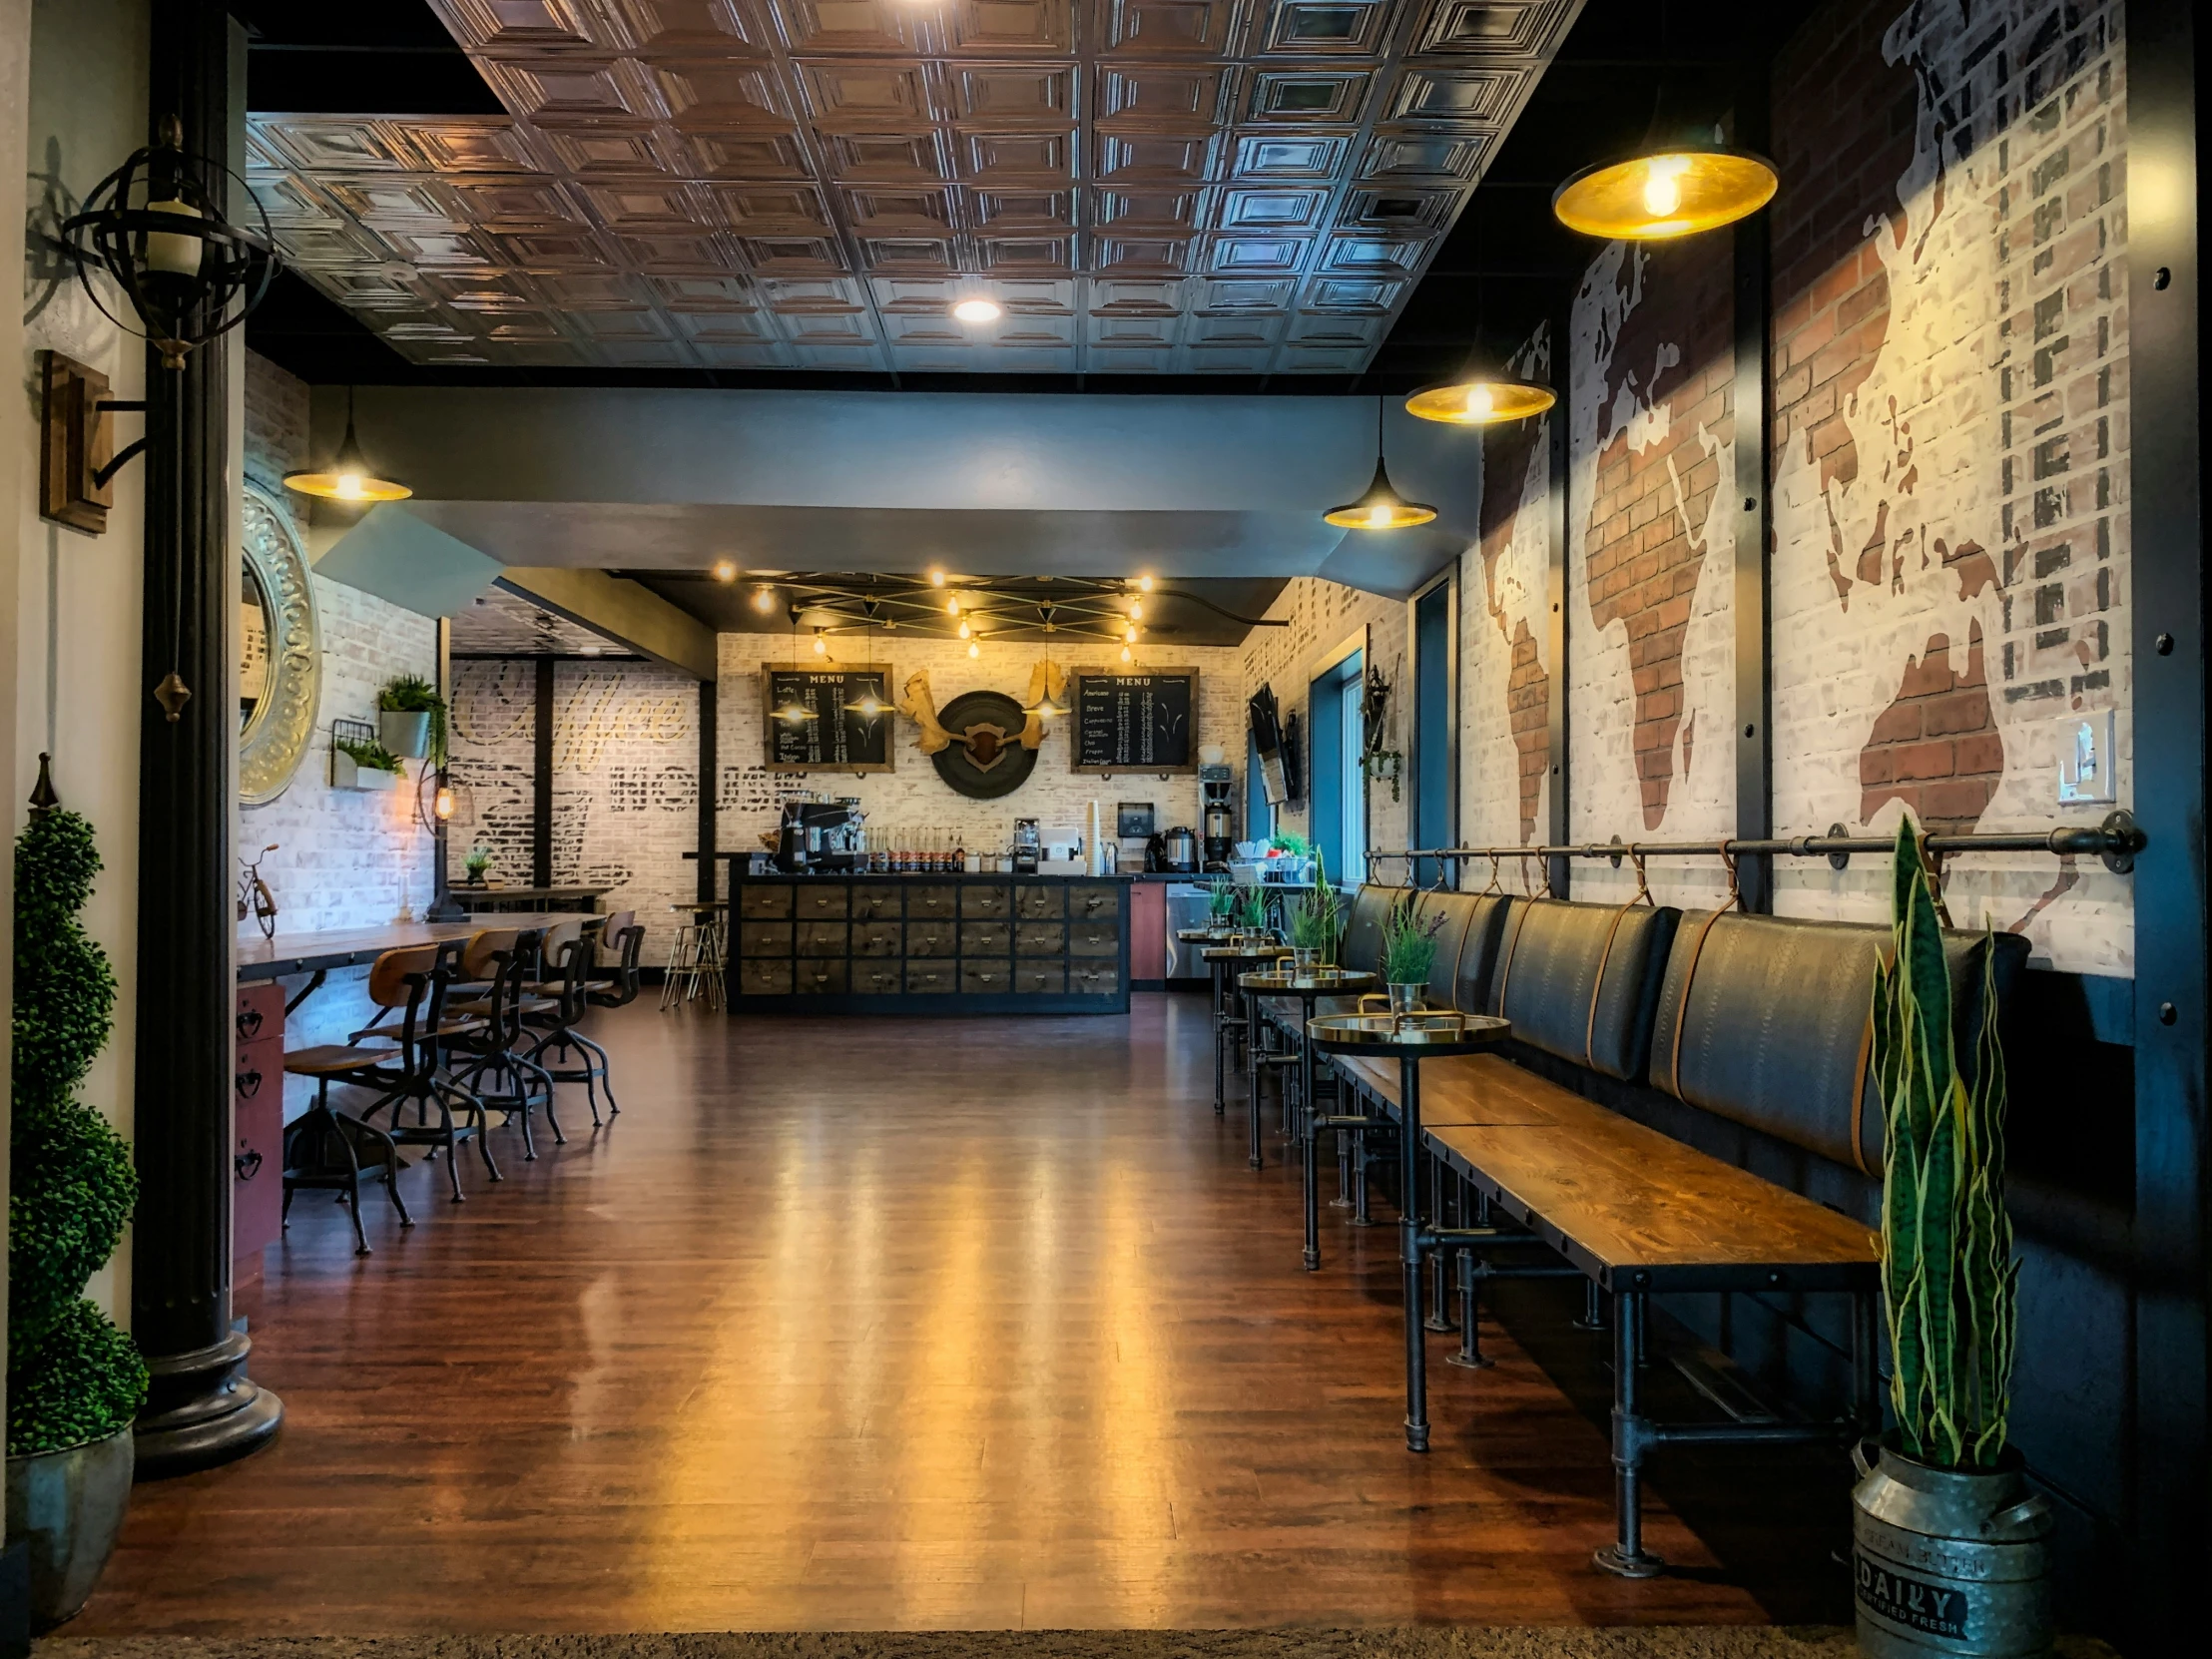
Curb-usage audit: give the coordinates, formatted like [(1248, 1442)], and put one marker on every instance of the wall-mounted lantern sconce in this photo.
[(154, 226)]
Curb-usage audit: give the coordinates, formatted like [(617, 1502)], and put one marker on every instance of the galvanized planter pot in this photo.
[(69, 1506), (404, 731), (1949, 1562)]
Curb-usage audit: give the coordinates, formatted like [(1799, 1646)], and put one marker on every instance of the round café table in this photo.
[(1307, 988), (1413, 1039), (1224, 960)]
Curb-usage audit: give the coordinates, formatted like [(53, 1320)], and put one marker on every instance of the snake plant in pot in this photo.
[(1949, 1547), (74, 1382)]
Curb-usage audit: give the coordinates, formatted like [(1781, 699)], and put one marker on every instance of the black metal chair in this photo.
[(587, 982), (495, 1049), (426, 1032)]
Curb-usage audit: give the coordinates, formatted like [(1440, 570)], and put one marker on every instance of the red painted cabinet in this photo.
[(257, 1126), (1148, 932)]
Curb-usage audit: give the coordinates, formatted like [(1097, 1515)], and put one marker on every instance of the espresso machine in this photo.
[(1218, 826), (1028, 847), (820, 835)]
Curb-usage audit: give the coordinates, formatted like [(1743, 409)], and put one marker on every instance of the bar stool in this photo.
[(699, 957), (682, 970)]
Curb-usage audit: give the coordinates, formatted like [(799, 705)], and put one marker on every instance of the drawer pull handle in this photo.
[(250, 1021), (245, 1165), (249, 1084)]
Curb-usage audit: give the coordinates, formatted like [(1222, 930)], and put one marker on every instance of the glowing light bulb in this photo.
[(974, 650), (442, 803), (936, 578), (1379, 518), (1127, 655), (976, 310), (1136, 612), (763, 599), (1129, 636), (725, 570), (966, 630), (822, 645), (1480, 403), (1663, 183), (952, 607), (349, 486), (1144, 584)]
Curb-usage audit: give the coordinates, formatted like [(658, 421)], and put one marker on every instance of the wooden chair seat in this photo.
[(329, 1059)]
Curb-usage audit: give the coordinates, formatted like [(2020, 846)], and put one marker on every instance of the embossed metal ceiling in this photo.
[(1242, 187)]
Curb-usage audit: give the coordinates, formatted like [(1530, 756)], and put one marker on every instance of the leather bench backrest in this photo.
[(1458, 909), (1478, 956), (1775, 1034), (1581, 980), (1361, 946)]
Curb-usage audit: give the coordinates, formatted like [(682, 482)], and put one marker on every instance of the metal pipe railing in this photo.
[(2116, 841)]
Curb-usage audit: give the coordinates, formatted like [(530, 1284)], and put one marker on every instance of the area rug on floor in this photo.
[(1703, 1642)]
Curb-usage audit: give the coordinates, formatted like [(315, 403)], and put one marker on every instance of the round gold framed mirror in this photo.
[(280, 653)]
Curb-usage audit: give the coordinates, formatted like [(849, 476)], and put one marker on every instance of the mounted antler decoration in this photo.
[(984, 745)]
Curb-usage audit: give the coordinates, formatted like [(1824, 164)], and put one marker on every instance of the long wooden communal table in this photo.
[(290, 953)]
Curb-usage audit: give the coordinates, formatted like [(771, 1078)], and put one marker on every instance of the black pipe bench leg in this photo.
[(1632, 1437)]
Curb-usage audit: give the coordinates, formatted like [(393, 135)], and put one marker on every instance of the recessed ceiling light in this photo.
[(725, 570), (976, 310)]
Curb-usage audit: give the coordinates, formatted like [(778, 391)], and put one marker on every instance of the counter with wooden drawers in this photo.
[(923, 944)]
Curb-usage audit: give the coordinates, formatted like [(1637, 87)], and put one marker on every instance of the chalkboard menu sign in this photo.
[(1137, 722), (820, 719)]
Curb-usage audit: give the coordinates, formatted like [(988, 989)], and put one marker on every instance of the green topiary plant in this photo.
[(73, 1377), (1950, 1284)]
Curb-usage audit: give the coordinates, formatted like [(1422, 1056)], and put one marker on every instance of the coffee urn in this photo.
[(1028, 847)]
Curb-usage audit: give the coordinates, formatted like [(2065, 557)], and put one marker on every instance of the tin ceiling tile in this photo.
[(1141, 160)]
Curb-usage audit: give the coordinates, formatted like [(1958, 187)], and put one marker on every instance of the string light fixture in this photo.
[(1380, 508)]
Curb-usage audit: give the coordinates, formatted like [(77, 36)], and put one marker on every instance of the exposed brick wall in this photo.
[(1950, 437), (1650, 551), (345, 858), (1506, 685), (1321, 615)]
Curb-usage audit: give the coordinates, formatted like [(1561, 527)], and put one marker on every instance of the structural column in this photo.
[(202, 1409)]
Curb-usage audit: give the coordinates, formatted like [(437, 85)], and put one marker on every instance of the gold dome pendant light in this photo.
[(1670, 193), (1483, 392), (795, 711), (1380, 508), (868, 705), (349, 477)]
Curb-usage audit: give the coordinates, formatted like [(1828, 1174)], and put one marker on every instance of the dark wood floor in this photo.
[(890, 1325)]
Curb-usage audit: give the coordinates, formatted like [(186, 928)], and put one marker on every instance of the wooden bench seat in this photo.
[(1473, 1089), (1630, 1205)]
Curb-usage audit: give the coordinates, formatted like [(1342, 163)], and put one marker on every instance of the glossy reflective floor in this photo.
[(892, 1325)]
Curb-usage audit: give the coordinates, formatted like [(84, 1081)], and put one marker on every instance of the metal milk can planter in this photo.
[(69, 1506), (1950, 1561), (404, 731)]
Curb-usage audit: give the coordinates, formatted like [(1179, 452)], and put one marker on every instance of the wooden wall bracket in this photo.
[(76, 445)]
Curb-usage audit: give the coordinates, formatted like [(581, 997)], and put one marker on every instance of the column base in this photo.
[(202, 1409), (1617, 1562)]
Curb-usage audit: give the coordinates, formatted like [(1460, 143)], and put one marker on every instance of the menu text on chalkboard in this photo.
[(828, 720), (1135, 721)]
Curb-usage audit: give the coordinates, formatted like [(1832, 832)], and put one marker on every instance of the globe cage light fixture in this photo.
[(348, 478), (154, 226), (1380, 508), (1672, 191)]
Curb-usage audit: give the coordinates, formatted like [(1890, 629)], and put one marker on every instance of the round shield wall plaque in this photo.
[(985, 758)]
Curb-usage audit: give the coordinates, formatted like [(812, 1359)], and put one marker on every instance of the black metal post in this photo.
[(541, 771), (1556, 586), (1221, 1037), (202, 1409), (1754, 630), (2165, 1519), (1409, 1252), (1253, 1071), (1626, 1557), (710, 772), (443, 906)]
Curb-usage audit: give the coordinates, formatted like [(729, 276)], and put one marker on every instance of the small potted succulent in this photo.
[(1950, 1545), (75, 1381), (410, 720), (1409, 953), (1313, 925), (364, 763), (476, 862)]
